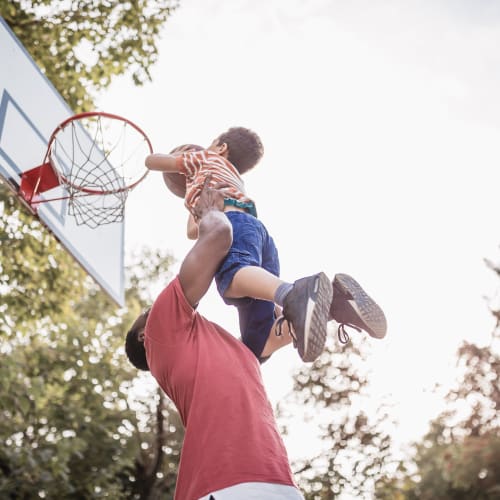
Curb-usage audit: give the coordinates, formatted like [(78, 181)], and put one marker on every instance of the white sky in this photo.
[(381, 127)]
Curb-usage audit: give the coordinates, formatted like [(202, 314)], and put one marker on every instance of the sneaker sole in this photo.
[(315, 328), (364, 306)]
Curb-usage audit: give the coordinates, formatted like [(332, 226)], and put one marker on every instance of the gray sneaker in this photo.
[(306, 309), (352, 306)]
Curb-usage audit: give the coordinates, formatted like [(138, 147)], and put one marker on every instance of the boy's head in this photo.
[(243, 147)]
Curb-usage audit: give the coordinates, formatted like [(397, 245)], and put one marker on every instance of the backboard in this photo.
[(30, 109)]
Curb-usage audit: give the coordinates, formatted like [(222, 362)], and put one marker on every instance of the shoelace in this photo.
[(279, 329), (342, 333)]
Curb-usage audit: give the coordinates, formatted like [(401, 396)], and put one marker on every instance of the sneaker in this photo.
[(306, 309), (352, 306)]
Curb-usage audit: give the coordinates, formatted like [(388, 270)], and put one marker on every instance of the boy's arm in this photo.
[(163, 163)]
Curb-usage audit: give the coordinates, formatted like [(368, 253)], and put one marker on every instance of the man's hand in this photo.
[(209, 199)]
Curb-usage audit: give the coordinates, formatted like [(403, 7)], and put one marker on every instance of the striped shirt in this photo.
[(198, 164)]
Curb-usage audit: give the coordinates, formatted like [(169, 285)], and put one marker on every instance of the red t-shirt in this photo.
[(215, 382)]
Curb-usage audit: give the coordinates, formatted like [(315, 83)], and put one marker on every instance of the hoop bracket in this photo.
[(37, 181)]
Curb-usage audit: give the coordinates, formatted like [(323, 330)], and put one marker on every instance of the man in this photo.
[(232, 448)]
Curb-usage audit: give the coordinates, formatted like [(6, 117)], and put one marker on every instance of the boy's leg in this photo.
[(279, 336), (305, 303), (256, 318), (352, 306), (305, 306), (253, 281)]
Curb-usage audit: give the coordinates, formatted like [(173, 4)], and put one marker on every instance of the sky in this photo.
[(381, 125)]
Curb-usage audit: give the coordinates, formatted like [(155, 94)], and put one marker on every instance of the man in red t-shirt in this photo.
[(232, 447)]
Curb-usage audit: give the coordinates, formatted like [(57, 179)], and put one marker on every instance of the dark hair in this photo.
[(134, 347), (244, 147)]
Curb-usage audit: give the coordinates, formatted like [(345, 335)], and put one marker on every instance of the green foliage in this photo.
[(465, 468), (355, 445), (81, 45), (69, 424), (459, 457), (27, 250), (155, 470)]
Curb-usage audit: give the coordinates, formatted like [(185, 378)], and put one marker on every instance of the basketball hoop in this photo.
[(97, 158)]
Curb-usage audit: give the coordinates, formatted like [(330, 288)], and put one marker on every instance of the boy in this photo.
[(249, 275)]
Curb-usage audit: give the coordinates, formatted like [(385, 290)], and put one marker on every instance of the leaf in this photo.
[(113, 31)]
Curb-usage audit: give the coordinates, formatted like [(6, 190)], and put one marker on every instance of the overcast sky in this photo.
[(380, 121)]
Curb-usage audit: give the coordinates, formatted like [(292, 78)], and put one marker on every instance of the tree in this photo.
[(160, 430), (69, 427), (459, 457), (81, 45), (355, 446), (155, 469)]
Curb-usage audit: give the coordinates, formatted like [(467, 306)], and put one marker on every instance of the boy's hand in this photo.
[(209, 199)]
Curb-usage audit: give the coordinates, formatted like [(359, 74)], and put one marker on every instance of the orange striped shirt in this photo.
[(198, 164)]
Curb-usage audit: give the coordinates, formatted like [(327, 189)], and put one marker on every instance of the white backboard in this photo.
[(30, 110)]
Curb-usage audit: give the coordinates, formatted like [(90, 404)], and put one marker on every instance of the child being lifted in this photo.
[(248, 277)]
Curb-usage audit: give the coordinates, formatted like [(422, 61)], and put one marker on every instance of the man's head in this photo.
[(134, 342), (242, 147)]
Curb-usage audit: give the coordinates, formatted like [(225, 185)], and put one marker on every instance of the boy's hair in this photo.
[(134, 347), (244, 147)]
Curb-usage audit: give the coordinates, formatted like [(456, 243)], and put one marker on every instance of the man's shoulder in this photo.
[(169, 291), (172, 298)]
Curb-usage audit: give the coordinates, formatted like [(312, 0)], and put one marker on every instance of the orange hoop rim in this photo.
[(90, 114)]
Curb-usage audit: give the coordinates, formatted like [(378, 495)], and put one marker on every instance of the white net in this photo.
[(99, 159)]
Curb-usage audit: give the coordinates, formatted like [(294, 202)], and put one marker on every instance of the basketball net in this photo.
[(97, 158)]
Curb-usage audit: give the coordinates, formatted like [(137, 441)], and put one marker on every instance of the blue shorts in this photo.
[(252, 246)]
